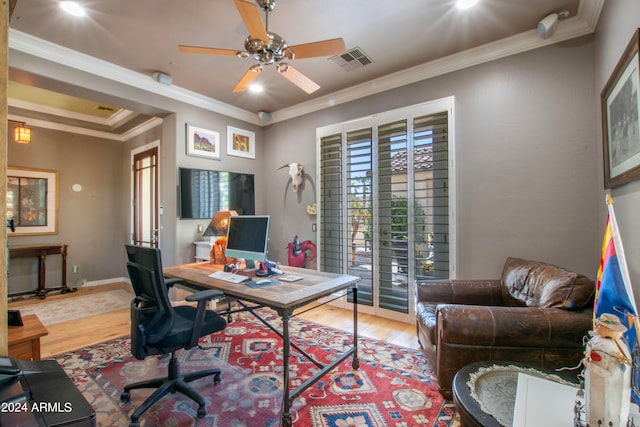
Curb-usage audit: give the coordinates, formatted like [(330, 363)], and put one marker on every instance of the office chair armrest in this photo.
[(171, 282), (203, 295)]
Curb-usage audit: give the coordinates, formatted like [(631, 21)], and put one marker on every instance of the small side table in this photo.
[(203, 248), (24, 341), (495, 385)]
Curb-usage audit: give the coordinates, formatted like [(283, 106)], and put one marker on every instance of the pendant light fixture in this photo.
[(21, 133)]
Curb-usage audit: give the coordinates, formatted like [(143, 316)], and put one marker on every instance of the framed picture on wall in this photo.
[(32, 201), (621, 120), (241, 143), (203, 142)]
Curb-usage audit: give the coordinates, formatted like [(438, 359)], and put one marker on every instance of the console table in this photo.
[(41, 252)]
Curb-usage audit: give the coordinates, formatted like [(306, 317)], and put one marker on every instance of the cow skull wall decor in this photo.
[(296, 171)]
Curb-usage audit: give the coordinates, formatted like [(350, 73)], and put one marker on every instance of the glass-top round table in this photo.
[(485, 392)]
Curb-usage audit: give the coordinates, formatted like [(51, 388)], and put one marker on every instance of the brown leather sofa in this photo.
[(536, 313)]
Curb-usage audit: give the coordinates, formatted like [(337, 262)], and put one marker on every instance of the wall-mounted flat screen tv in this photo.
[(203, 192)]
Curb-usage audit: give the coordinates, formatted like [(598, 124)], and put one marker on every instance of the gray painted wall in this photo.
[(617, 24), (527, 153), (89, 221)]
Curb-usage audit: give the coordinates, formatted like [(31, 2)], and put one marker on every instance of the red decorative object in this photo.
[(306, 253)]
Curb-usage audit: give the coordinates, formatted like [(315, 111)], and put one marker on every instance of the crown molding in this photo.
[(584, 23), (54, 53), (117, 117), (79, 130)]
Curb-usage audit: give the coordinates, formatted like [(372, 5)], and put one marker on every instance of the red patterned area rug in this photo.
[(394, 386)]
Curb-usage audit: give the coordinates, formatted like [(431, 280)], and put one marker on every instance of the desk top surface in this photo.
[(285, 295)]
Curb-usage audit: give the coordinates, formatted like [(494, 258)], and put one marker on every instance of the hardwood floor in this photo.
[(91, 330), (83, 332)]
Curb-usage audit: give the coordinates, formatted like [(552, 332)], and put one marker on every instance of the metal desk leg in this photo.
[(356, 360), (286, 352)]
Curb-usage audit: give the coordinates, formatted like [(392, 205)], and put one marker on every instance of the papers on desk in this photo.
[(290, 278), (541, 402)]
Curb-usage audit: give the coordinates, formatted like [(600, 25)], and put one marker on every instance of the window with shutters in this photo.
[(385, 203)]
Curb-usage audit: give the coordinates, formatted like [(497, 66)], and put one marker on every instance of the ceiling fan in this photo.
[(270, 49)]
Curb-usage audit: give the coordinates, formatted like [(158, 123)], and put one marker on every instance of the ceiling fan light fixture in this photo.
[(267, 4), (268, 48), (256, 88)]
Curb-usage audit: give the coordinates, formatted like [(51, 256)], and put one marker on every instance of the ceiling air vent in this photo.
[(352, 59)]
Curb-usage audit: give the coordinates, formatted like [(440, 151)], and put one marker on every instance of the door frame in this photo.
[(134, 152)]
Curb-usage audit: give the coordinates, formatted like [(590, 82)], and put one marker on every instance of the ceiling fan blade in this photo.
[(247, 78), (323, 48), (207, 50), (297, 78), (252, 20)]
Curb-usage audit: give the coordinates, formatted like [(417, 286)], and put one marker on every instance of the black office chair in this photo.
[(159, 328)]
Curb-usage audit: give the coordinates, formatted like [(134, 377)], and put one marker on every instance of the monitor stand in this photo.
[(250, 269)]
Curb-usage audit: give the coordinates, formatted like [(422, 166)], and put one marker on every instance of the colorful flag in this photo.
[(614, 293)]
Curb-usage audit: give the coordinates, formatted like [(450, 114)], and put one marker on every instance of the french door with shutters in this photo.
[(384, 205), (145, 197)]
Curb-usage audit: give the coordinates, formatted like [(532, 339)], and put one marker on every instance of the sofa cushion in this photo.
[(538, 284)]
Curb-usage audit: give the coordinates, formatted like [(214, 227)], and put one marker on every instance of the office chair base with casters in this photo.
[(172, 383)]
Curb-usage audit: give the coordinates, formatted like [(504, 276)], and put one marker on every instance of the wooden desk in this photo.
[(284, 298), (24, 341), (41, 252)]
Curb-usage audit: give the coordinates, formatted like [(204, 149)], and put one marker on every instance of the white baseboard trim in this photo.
[(106, 281)]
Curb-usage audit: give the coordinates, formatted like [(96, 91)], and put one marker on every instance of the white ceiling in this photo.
[(407, 40)]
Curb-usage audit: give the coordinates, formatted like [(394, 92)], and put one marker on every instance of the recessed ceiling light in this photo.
[(466, 4), (72, 8), (256, 88)]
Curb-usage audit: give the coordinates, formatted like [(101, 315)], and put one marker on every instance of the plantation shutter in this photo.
[(359, 164), (431, 195), (393, 214), (331, 238)]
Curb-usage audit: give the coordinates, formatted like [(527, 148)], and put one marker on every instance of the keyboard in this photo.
[(229, 277)]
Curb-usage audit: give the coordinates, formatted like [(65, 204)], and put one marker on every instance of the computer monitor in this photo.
[(247, 238)]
